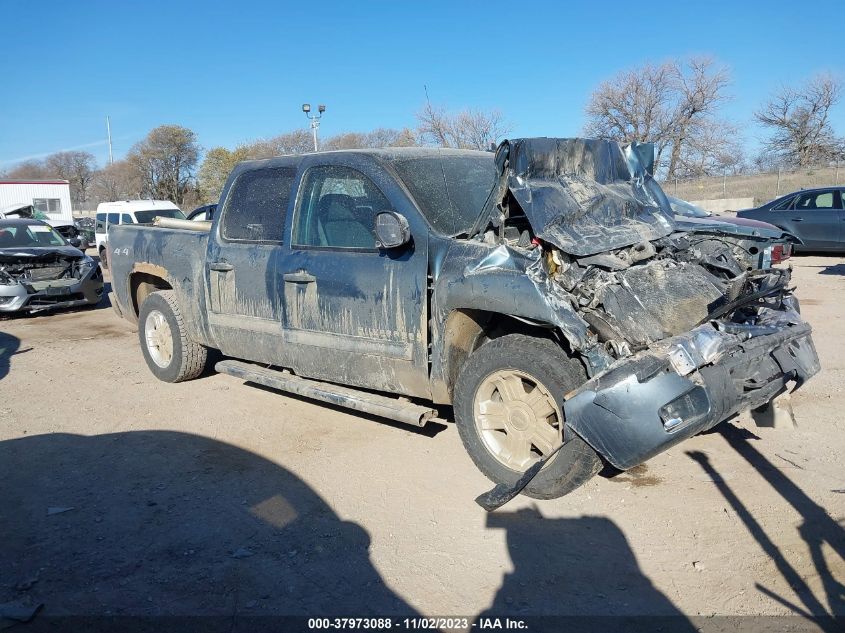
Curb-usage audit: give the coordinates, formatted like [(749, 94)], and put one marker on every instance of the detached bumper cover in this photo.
[(664, 395), (49, 295)]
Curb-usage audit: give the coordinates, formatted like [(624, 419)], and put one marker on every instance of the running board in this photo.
[(392, 408)]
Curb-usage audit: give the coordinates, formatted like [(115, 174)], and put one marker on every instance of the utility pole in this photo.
[(315, 120), (108, 131)]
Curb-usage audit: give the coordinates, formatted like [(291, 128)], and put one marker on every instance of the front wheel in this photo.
[(169, 353), (508, 403)]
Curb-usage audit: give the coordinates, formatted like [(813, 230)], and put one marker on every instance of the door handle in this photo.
[(300, 277), (797, 219), (222, 267)]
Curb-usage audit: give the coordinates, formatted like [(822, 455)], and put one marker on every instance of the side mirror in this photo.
[(392, 230), (75, 241)]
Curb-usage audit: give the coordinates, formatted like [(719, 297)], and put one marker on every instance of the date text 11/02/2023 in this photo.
[(383, 624)]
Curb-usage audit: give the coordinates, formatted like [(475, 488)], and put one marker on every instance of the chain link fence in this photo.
[(762, 186)]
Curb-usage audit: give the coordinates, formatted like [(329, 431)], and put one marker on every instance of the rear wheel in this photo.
[(169, 353), (508, 403)]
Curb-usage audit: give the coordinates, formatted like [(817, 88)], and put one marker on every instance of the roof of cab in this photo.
[(384, 153)]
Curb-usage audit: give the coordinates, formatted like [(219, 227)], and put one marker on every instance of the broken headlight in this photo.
[(86, 264)]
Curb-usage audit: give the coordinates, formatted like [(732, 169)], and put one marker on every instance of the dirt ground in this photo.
[(121, 495)]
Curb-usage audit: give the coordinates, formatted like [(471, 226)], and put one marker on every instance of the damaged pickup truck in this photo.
[(544, 292), (39, 270)]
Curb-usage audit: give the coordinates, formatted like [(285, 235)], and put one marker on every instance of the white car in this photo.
[(129, 212)]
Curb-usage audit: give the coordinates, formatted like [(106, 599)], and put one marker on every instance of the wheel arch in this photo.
[(142, 284), (466, 329)]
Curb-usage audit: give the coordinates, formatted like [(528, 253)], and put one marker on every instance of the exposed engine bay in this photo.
[(38, 269), (638, 295), (31, 280)]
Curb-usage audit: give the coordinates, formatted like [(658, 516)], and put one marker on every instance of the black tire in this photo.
[(547, 363), (104, 259), (188, 358)]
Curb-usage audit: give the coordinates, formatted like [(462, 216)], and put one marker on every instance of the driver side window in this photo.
[(337, 208)]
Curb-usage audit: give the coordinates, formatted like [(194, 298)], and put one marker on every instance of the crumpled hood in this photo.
[(585, 196), (36, 254), (727, 225), (731, 219)]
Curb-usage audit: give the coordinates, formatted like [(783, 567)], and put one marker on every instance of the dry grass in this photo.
[(761, 187)]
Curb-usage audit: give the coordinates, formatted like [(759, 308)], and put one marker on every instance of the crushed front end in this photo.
[(33, 280), (682, 334), (686, 384)]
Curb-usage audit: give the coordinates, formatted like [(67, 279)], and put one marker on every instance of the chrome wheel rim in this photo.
[(159, 339), (517, 418)]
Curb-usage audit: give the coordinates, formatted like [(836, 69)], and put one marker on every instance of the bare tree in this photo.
[(390, 137), (380, 137), (345, 140), (166, 159), (636, 105), (294, 142), (671, 105), (799, 120), (119, 181), (468, 129), (220, 161), (28, 170), (701, 88), (77, 168), (712, 149)]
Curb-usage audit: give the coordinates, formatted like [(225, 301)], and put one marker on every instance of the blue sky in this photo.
[(238, 70)]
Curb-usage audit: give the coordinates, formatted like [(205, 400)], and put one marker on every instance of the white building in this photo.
[(50, 197)]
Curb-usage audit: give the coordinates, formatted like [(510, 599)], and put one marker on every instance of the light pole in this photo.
[(314, 118)]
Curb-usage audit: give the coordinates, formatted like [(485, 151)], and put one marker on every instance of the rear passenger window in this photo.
[(126, 219), (256, 205), (816, 200), (114, 218), (100, 226)]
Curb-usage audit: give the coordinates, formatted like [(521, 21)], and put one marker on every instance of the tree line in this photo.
[(166, 163), (676, 104)]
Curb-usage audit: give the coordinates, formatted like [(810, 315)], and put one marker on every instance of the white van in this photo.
[(129, 212)]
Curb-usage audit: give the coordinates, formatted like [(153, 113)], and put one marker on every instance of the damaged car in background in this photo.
[(545, 292), (39, 270)]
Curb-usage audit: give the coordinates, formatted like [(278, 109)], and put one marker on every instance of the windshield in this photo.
[(450, 190), (682, 207), (145, 217), (29, 236)]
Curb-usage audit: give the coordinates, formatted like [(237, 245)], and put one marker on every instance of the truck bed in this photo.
[(176, 255)]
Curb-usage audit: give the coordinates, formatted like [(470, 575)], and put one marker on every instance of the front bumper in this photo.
[(60, 293), (656, 399)]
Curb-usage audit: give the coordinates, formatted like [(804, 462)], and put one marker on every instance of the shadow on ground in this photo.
[(835, 269), (165, 523), (818, 529), (158, 523), (9, 346), (582, 568)]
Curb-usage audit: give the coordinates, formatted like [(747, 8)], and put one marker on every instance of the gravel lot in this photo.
[(123, 495)]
